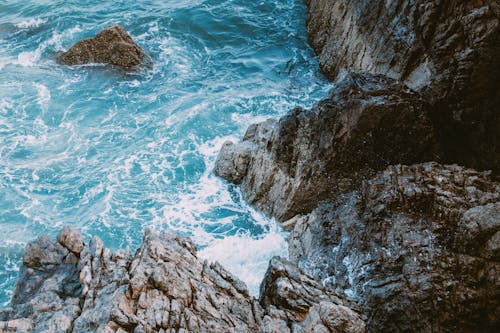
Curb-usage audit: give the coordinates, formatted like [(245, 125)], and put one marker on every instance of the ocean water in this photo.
[(111, 153)]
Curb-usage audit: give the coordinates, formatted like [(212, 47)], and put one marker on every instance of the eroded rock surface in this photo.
[(296, 302), (417, 245), (112, 46), (368, 122), (69, 286), (448, 50)]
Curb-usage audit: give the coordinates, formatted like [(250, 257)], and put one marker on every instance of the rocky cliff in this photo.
[(367, 122), (71, 286), (381, 238), (414, 242), (448, 50), (418, 245)]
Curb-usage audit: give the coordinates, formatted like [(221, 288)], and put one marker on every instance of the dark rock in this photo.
[(417, 246), (448, 50), (163, 288), (112, 46), (367, 123)]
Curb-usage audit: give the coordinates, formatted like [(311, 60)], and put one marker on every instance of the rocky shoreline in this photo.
[(374, 181), (71, 286), (394, 222)]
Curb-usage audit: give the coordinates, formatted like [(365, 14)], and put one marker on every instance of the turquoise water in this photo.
[(111, 153)]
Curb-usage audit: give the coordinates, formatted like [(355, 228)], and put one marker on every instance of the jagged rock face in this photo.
[(69, 286), (112, 46), (448, 50), (367, 123), (287, 293), (418, 246)]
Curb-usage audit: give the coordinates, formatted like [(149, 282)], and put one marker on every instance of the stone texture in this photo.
[(367, 123), (448, 50), (164, 287), (112, 46), (287, 293), (416, 245)]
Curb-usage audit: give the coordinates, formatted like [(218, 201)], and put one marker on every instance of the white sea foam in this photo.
[(247, 257), (242, 254), (43, 95), (30, 58), (5, 105), (31, 23)]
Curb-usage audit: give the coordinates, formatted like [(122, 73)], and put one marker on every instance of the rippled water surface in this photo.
[(111, 153)]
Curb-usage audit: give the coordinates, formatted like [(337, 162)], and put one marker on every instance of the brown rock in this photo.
[(70, 239), (112, 46)]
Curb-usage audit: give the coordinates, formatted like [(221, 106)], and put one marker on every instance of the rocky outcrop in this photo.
[(447, 50), (69, 286), (417, 245), (112, 46), (288, 295), (367, 123)]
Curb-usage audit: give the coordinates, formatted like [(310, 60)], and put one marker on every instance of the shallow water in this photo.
[(111, 153)]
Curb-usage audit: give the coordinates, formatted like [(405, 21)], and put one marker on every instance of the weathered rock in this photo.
[(448, 50), (233, 163), (417, 246), (112, 46), (367, 123), (163, 288), (287, 293), (70, 239)]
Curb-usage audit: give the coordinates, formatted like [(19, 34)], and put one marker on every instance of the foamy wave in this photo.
[(31, 23), (30, 58), (247, 257), (43, 95), (242, 254), (198, 198)]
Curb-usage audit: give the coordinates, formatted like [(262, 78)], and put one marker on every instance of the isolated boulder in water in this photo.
[(112, 46)]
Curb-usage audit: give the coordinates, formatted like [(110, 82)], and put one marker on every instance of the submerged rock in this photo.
[(417, 246), (112, 46), (447, 50), (368, 122), (164, 287)]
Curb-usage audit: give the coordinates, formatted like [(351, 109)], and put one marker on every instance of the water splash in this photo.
[(110, 153)]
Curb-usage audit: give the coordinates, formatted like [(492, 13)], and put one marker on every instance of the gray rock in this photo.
[(164, 287), (232, 162), (448, 50), (288, 293), (70, 239), (417, 246), (367, 123), (112, 46)]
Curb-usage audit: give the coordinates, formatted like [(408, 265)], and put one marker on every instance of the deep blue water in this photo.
[(110, 153)]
